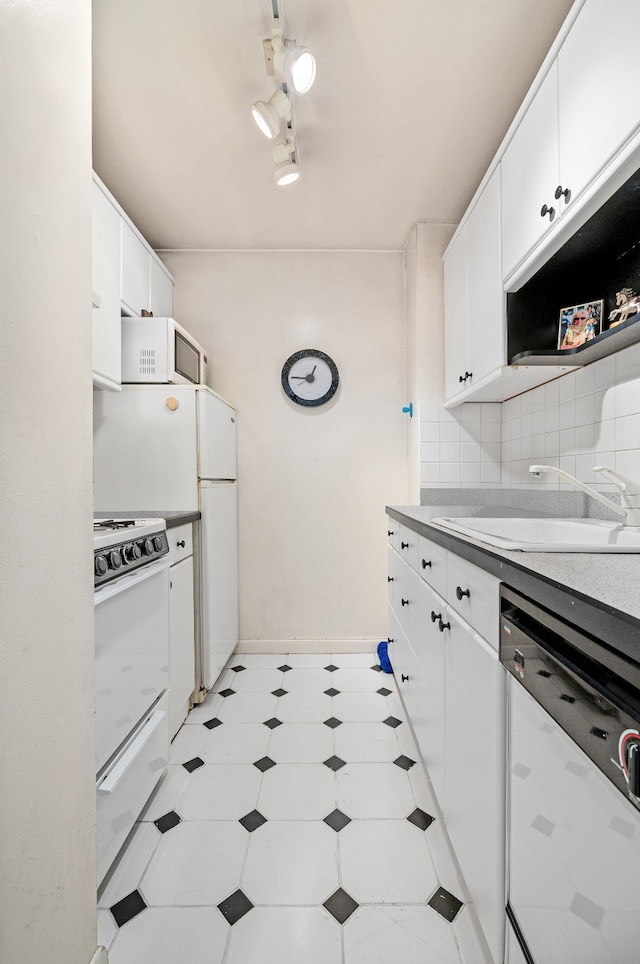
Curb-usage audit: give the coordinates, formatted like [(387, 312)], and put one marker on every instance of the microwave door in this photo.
[(187, 359)]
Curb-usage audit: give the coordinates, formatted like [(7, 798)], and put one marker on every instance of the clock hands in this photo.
[(306, 378)]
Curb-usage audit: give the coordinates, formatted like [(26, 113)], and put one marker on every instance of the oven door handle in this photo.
[(126, 581), (114, 776)]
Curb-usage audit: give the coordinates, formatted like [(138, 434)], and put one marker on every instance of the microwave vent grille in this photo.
[(147, 361)]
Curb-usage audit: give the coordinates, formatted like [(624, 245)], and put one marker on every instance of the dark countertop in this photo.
[(173, 519), (597, 591)]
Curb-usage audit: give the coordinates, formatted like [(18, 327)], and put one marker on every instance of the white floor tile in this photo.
[(352, 679), (422, 790), (309, 660), (247, 708), (360, 707), (305, 679), (166, 794), (374, 790), (256, 680), (442, 859), (235, 743), (366, 743), (169, 934), (196, 863), (354, 659), (291, 863), (395, 705), (264, 660), (126, 874), (386, 861), (473, 947), (297, 791), (187, 743), (225, 792), (285, 935), (107, 928), (410, 935), (304, 707), (206, 710), (301, 743)]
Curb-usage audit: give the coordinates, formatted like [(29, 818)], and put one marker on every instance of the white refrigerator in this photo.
[(173, 448)]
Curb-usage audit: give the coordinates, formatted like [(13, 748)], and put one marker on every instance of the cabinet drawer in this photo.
[(393, 532), (404, 663), (180, 542), (408, 546), (474, 594), (432, 564)]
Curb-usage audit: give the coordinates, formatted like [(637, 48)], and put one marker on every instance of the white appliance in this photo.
[(160, 351), (161, 448), (131, 604)]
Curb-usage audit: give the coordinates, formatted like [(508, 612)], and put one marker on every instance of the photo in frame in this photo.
[(579, 324)]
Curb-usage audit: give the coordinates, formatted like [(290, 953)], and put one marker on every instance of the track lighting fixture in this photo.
[(287, 170), (269, 115), (292, 64)]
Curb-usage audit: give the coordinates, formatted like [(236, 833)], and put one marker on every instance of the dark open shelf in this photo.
[(601, 258)]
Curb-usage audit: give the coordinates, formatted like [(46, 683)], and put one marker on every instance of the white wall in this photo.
[(47, 763), (313, 483)]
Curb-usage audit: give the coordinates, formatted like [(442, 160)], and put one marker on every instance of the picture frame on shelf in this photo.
[(579, 324)]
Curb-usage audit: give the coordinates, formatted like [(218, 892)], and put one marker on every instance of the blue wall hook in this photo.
[(408, 409)]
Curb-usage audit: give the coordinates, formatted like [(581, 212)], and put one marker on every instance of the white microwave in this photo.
[(159, 350)]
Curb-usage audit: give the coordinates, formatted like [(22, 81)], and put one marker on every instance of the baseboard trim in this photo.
[(359, 645)]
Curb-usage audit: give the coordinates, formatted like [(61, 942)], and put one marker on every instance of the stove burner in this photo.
[(113, 524)]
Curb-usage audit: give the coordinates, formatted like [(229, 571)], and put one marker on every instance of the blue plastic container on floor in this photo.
[(383, 657)]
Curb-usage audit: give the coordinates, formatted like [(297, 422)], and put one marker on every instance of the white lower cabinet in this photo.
[(181, 626), (405, 665), (430, 650)]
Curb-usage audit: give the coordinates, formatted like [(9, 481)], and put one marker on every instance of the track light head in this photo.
[(286, 173), (270, 115), (292, 64)]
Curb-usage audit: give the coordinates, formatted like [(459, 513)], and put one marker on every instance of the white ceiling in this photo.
[(411, 101)]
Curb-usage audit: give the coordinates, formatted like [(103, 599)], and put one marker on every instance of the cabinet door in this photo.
[(486, 306), (455, 314), (160, 291), (598, 82), (530, 175), (429, 645), (105, 273), (475, 772), (405, 666), (136, 263), (182, 671)]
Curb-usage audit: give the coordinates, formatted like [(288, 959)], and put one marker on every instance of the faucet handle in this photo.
[(626, 485)]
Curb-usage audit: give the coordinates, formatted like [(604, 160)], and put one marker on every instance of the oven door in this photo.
[(132, 654)]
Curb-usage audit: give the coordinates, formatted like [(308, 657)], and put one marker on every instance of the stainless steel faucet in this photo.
[(629, 511)]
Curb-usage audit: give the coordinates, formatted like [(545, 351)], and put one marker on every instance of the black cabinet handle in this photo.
[(404, 545), (389, 578), (389, 640), (544, 210), (461, 593), (425, 564), (566, 194), (403, 678), (435, 616), (389, 532), (442, 626), (181, 544), (405, 602)]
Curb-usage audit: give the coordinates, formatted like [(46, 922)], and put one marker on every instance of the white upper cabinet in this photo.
[(475, 326), (136, 266), (581, 117), (105, 270), (160, 291)]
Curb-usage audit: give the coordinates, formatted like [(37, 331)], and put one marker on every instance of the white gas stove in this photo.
[(122, 545)]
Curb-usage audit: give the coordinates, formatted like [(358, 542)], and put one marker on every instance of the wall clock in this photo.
[(310, 377)]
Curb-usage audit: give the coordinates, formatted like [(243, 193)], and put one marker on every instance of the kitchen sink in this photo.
[(546, 535)]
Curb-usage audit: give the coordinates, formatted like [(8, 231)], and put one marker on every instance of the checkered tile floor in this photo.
[(294, 823)]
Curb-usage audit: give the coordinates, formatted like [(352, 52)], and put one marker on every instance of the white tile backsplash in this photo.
[(587, 417)]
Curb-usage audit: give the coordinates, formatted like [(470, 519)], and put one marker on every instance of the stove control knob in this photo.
[(100, 565), (131, 552), (147, 547), (115, 559), (157, 543)]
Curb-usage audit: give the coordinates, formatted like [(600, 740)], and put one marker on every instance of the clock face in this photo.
[(310, 377)]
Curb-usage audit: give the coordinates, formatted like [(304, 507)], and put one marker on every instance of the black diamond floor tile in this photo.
[(340, 905), (392, 721), (337, 820), (264, 764), (404, 762), (272, 723), (238, 669), (376, 668), (383, 691), (331, 668), (235, 907), (334, 763), (211, 724), (167, 822), (227, 692), (445, 903), (194, 764), (285, 668), (279, 692), (332, 722), (331, 692), (420, 819), (253, 820), (128, 908)]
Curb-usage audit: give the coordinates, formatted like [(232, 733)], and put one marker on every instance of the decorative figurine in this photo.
[(628, 303)]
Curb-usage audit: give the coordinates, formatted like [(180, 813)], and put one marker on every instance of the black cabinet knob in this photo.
[(463, 378), (461, 593), (403, 678), (389, 532), (425, 564), (405, 602), (404, 545), (544, 210), (565, 193), (435, 616), (442, 626), (389, 578), (181, 544)]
